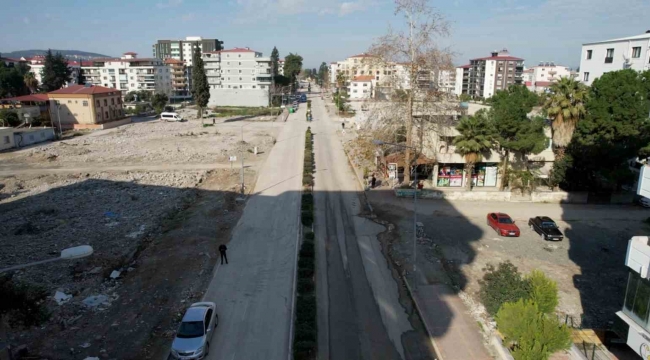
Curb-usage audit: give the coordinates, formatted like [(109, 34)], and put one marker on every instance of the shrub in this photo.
[(305, 273), (532, 334), (543, 292), (307, 218), (306, 309), (307, 250), (304, 350), (305, 332), (309, 236), (307, 180), (305, 286), (306, 264), (500, 285)]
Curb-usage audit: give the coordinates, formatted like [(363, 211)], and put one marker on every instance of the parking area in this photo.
[(588, 264)]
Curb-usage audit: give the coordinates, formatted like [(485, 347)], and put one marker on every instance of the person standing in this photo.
[(373, 181), (222, 250)]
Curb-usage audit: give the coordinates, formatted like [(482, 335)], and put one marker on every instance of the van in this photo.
[(170, 116)]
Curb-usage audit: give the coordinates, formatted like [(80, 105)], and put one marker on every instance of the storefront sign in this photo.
[(491, 176)]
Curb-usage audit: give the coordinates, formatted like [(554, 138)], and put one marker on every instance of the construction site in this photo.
[(154, 200)]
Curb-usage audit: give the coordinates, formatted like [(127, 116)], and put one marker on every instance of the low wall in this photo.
[(560, 197), (455, 195), (555, 197), (104, 126)]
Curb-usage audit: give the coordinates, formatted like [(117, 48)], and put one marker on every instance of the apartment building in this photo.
[(539, 78), (238, 77), (446, 81), (483, 77), (361, 87), (37, 63), (87, 107), (129, 73), (180, 84), (183, 49), (600, 57)]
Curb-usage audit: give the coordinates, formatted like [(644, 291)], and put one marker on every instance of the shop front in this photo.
[(453, 175)]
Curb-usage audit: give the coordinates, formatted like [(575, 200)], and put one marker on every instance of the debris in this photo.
[(91, 358), (95, 301), (85, 345), (95, 270), (136, 233), (115, 274), (61, 297)]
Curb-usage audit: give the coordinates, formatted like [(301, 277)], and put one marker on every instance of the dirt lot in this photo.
[(159, 229), (589, 265)]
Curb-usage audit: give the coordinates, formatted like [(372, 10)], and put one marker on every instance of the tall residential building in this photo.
[(238, 77), (446, 80), (37, 63), (600, 57), (483, 77), (182, 49), (129, 73), (540, 77), (180, 85)]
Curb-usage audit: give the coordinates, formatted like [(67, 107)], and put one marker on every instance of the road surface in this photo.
[(254, 292), (359, 314)]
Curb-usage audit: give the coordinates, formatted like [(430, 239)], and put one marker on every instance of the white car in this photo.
[(192, 341)]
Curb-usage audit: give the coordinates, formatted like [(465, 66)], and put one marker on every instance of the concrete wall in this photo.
[(239, 97), (560, 197), (7, 138), (26, 137)]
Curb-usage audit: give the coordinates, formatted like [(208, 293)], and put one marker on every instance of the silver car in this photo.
[(193, 337)]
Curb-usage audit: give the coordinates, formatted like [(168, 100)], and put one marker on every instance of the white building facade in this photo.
[(360, 88), (130, 73), (37, 63), (539, 78), (238, 77), (601, 57)]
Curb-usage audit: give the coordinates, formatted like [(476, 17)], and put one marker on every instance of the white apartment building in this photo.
[(483, 77), (600, 57), (130, 73), (360, 87), (539, 78), (238, 77), (37, 63), (447, 81)]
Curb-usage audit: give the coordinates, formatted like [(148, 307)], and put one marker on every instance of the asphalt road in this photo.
[(359, 314), (254, 292)]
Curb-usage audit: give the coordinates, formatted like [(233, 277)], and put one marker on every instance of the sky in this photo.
[(319, 30)]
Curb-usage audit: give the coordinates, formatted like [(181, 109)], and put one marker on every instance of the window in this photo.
[(365, 84), (585, 77), (131, 71), (239, 79), (637, 298), (240, 71), (228, 71), (355, 84), (84, 103), (262, 87), (105, 102), (377, 78), (132, 85), (241, 86), (6, 140), (104, 71), (610, 56), (112, 101), (239, 56), (98, 104), (240, 63), (105, 78), (228, 86), (106, 115), (636, 52), (354, 91), (69, 101)]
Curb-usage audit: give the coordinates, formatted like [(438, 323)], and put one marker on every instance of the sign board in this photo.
[(233, 158), (643, 187), (392, 171)]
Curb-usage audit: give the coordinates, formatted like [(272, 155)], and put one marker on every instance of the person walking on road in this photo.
[(373, 181), (222, 250)]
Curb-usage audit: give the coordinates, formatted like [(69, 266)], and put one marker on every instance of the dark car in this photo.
[(303, 98), (546, 228), (503, 224)]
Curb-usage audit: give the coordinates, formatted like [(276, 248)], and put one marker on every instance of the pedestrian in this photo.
[(373, 181), (222, 250), (343, 125)]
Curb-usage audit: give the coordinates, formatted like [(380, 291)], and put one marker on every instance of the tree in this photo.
[(275, 58), (31, 82), (500, 285), (416, 49), (615, 128), (12, 80), (200, 87), (55, 73), (476, 137), (292, 66), (565, 105), (533, 335), (514, 131), (81, 79), (543, 292), (158, 101)]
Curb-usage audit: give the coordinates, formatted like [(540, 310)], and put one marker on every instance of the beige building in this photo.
[(180, 85), (87, 107)]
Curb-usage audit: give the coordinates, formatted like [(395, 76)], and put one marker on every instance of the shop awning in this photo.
[(399, 159)]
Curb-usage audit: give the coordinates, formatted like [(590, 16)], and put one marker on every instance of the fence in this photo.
[(586, 341)]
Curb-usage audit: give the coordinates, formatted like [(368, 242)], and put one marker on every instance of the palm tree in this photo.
[(565, 105), (476, 137), (31, 82)]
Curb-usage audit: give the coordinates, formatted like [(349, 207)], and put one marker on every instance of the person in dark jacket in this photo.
[(222, 250), (373, 181)]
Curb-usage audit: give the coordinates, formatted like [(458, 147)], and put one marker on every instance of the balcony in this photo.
[(214, 81), (263, 80)]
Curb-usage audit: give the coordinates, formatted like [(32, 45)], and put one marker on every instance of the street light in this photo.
[(72, 253), (415, 203)]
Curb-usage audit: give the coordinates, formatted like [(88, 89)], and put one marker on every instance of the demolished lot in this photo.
[(155, 234)]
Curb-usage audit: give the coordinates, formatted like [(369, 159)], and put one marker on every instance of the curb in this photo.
[(417, 307)]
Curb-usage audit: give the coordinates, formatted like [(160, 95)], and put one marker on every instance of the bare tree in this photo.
[(409, 61)]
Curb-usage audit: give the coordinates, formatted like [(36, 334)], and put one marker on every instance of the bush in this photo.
[(532, 334), (304, 350), (307, 180), (305, 286), (501, 285), (306, 309), (305, 332), (307, 250), (543, 292), (305, 273), (9, 118), (307, 218), (306, 264), (310, 236)]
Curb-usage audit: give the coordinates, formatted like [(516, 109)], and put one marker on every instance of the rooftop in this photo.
[(506, 58), (465, 66), (363, 78), (173, 61), (363, 55), (33, 97), (246, 49), (82, 89), (635, 37)]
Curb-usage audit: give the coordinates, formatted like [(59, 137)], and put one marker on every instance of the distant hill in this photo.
[(71, 54)]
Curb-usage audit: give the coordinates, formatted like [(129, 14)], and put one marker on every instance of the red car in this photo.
[(503, 224)]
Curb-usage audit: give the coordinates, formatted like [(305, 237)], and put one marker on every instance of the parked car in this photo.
[(170, 116), (546, 228), (503, 224), (194, 334), (303, 98)]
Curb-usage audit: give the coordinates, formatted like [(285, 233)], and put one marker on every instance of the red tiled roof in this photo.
[(362, 55), (543, 83), (82, 89), (87, 63), (9, 59), (506, 58), (529, 83), (363, 78), (33, 97), (238, 50), (173, 61), (465, 66), (130, 53)]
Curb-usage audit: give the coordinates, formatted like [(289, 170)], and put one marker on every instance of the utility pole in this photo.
[(241, 153)]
